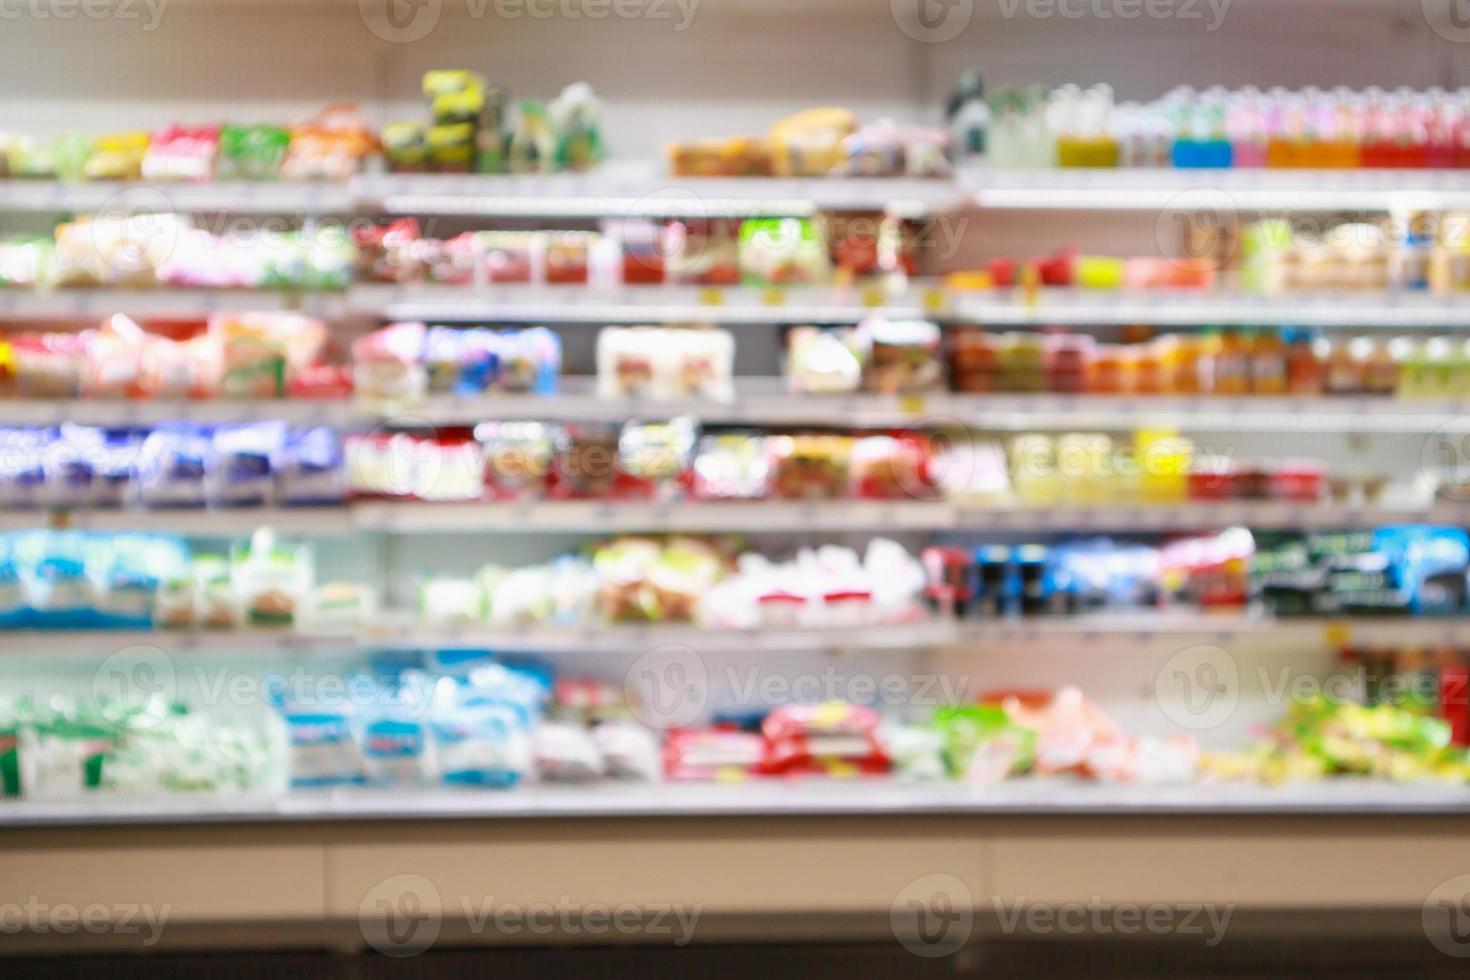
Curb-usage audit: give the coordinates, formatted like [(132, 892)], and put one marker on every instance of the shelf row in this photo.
[(733, 305), (641, 190), (809, 797), (765, 401), (401, 632), (754, 517)]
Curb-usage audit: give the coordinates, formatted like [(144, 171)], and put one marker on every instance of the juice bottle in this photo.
[(1148, 369), (1246, 126), (1230, 366), (1187, 375), (1304, 374), (1034, 474), (1342, 372), (1107, 374), (1163, 459), (1380, 369), (1085, 463), (1268, 364)]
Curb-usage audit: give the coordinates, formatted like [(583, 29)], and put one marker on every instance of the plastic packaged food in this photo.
[(585, 465), (782, 252), (655, 457), (810, 467), (271, 579), (566, 753), (823, 361), (731, 466), (663, 363), (719, 754), (174, 467), (518, 457), (389, 363), (245, 457), (903, 355)]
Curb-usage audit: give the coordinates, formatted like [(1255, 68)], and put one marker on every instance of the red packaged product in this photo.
[(834, 738), (1298, 482), (1056, 270), (320, 382), (712, 754), (886, 468)]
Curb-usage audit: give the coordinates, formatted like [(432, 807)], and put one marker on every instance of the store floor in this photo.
[(1007, 960)]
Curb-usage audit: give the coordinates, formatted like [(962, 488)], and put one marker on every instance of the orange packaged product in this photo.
[(1268, 364)]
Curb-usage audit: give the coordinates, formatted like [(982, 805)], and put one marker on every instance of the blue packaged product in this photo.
[(175, 463), (1428, 564), (531, 362), (115, 476), (68, 461), (52, 569), (394, 731), (311, 471), (245, 457), (323, 750), (127, 571), (485, 746), (14, 609), (479, 362), (22, 473)]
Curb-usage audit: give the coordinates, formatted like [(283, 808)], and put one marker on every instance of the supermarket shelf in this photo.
[(808, 798), (767, 401), (637, 190), (182, 642), (607, 516), (193, 522), (877, 516), (639, 638), (1078, 307), (752, 305), (48, 412), (754, 517), (140, 197), (632, 189), (1219, 191), (635, 304), (1115, 631), (926, 298), (160, 304), (400, 632)]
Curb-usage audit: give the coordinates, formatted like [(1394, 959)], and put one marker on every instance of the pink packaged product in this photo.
[(388, 364), (182, 153), (114, 359)]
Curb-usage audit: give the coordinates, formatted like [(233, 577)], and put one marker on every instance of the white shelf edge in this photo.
[(1114, 630), (880, 795), (768, 516)]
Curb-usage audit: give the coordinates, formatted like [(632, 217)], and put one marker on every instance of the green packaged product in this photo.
[(982, 744), (252, 152)]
